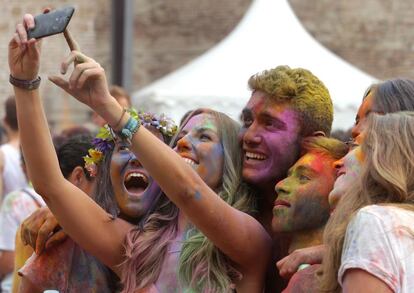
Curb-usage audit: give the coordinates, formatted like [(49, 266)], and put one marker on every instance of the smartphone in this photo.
[(51, 23)]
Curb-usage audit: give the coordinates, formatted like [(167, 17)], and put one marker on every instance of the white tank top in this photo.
[(13, 176)]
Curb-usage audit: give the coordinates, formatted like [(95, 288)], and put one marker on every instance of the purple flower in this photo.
[(102, 145)]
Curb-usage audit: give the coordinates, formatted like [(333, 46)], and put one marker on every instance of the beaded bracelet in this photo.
[(130, 128), (25, 84)]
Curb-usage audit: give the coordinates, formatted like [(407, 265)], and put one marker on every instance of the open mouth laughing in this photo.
[(136, 182)]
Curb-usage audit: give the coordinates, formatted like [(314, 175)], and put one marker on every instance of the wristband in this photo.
[(25, 84), (120, 119), (130, 128)]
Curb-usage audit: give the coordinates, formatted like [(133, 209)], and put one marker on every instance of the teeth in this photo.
[(130, 175), (189, 161), (255, 156)]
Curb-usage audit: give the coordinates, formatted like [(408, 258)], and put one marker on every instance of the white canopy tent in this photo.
[(269, 35)]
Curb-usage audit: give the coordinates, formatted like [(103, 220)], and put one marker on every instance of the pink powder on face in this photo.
[(270, 139)]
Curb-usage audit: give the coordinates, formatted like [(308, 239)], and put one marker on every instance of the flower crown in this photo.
[(105, 138)]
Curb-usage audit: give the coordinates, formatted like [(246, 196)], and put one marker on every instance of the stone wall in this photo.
[(374, 35)]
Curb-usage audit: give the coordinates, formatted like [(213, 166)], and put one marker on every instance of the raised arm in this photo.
[(80, 216), (235, 233)]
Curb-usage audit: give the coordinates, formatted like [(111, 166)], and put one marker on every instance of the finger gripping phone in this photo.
[(51, 23)]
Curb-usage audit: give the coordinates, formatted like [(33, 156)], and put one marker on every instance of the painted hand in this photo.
[(41, 230), (289, 265), (87, 82), (24, 54)]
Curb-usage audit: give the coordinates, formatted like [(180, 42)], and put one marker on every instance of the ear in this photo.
[(77, 176), (318, 133)]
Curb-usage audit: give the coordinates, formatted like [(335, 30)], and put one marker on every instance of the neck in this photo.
[(182, 223), (306, 238), (13, 137)]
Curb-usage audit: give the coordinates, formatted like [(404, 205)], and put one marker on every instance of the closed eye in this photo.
[(304, 178)]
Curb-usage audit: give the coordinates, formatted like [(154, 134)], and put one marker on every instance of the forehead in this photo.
[(261, 104), (366, 106), (316, 162), (201, 121)]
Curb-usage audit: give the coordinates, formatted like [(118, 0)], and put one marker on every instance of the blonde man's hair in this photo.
[(303, 91)]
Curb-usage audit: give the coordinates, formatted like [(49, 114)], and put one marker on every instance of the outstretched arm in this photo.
[(82, 219), (237, 234)]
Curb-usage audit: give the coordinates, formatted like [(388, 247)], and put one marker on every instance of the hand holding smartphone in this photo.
[(51, 23)]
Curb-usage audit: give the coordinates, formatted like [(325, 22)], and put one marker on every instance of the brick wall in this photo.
[(374, 35)]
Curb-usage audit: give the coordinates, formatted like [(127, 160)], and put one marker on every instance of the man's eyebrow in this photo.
[(268, 115), (303, 168)]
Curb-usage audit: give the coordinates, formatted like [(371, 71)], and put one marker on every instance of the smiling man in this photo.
[(287, 104), (302, 209)]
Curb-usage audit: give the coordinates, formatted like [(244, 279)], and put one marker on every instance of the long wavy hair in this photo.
[(387, 178), (202, 266)]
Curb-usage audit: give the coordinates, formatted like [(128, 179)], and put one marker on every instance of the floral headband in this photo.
[(105, 138)]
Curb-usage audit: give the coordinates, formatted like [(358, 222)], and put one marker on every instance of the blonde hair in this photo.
[(203, 267), (331, 147), (303, 91), (387, 178)]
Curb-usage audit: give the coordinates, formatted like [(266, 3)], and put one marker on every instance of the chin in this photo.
[(251, 176)]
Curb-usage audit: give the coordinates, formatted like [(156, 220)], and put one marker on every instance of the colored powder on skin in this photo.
[(197, 195)]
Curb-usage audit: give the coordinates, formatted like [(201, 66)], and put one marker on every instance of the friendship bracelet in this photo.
[(120, 119), (25, 84), (130, 128)]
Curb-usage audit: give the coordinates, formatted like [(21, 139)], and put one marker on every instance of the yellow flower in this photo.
[(95, 155)]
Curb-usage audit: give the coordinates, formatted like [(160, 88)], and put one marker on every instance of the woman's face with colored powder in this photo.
[(302, 197), (134, 188), (201, 148), (348, 171), (364, 110)]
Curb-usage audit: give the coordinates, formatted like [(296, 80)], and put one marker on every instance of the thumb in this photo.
[(60, 82), (56, 238)]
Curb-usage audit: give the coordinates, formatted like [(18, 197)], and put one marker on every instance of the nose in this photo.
[(251, 135), (134, 161), (184, 144), (338, 164), (356, 130), (281, 187)]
